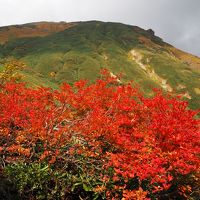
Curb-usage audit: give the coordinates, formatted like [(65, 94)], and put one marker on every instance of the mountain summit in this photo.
[(60, 52)]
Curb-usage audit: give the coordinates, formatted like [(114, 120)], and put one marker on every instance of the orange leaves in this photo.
[(44, 155), (139, 194), (18, 149), (24, 151), (100, 189), (20, 139)]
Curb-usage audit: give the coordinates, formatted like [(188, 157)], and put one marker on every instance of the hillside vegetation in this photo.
[(67, 52)]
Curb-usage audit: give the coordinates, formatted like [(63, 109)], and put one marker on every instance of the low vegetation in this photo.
[(101, 140)]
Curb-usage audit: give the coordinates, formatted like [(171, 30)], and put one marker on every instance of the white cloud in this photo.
[(172, 20)]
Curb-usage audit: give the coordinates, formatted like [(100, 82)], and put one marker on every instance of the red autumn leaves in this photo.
[(149, 138)]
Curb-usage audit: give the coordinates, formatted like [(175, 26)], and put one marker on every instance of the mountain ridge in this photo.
[(58, 52)]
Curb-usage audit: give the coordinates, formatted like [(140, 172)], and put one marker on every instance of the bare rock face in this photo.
[(151, 32)]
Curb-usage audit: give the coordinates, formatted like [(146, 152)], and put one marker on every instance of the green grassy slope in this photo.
[(80, 52)]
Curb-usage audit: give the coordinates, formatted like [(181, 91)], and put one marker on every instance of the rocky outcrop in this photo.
[(137, 57)]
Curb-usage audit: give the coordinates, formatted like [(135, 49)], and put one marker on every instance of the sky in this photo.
[(175, 21)]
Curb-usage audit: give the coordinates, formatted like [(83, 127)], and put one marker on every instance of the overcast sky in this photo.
[(176, 21)]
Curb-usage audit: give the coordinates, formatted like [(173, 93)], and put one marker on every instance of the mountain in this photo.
[(58, 52)]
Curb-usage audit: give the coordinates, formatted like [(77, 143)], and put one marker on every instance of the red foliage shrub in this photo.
[(153, 139)]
